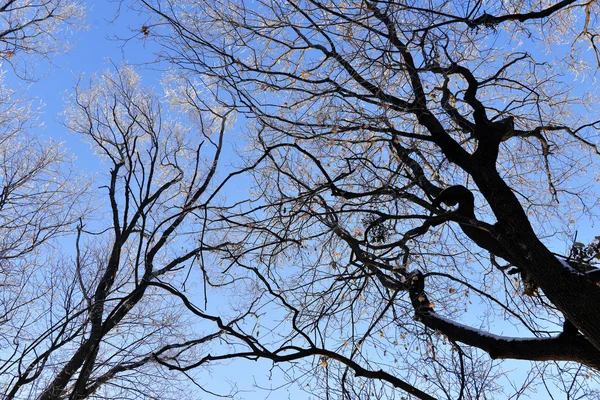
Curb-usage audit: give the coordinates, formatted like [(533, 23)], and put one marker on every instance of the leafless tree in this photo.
[(38, 191), (417, 170), (105, 322), (86, 308), (418, 166), (32, 29)]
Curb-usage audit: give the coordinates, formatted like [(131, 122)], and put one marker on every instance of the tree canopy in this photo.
[(380, 198)]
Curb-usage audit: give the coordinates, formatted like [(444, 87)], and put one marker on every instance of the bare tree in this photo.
[(414, 163), (84, 283), (416, 169), (106, 322), (41, 197), (35, 28), (38, 191)]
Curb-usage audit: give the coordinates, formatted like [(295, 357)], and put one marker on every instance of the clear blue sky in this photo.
[(93, 51)]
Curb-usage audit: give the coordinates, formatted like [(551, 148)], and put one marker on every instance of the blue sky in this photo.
[(95, 49)]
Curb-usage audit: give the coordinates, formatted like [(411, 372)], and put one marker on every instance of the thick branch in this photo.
[(569, 346), (560, 348), (490, 20)]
